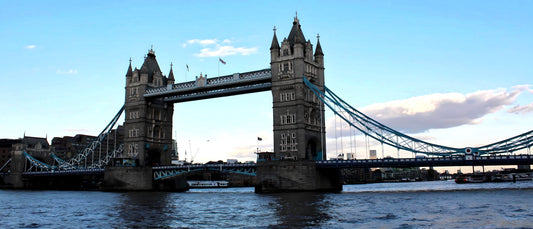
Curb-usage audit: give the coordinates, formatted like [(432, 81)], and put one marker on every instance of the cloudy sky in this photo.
[(455, 73)]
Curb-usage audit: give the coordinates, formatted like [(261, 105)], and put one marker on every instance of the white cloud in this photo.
[(67, 72), (523, 88), (204, 42), (30, 46), (214, 48), (437, 111), (521, 109), (225, 51)]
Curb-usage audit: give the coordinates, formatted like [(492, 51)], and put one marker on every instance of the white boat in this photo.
[(208, 184)]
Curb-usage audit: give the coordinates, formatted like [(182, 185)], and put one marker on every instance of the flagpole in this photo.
[(218, 65)]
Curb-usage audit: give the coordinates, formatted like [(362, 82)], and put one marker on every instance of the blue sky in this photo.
[(456, 73)]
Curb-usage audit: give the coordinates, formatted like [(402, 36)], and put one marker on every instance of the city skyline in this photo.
[(445, 72)]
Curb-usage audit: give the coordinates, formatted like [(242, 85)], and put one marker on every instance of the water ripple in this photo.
[(405, 205)]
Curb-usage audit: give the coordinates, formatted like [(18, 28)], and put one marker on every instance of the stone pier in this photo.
[(291, 176), (126, 178)]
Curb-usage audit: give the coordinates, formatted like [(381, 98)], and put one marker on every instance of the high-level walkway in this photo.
[(205, 88)]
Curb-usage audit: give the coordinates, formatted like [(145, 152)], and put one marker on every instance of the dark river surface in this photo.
[(438, 204)]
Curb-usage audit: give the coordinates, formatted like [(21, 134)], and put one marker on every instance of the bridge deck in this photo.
[(238, 83), (70, 172), (249, 168), (427, 162)]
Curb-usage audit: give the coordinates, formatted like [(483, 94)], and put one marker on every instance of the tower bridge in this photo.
[(299, 98)]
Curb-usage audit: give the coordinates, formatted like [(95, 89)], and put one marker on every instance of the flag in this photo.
[(221, 61), (259, 139), (187, 67)]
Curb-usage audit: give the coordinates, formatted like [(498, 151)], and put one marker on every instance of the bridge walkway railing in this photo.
[(428, 162)]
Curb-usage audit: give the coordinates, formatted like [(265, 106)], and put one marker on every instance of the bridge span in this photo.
[(168, 171), (429, 162), (207, 88)]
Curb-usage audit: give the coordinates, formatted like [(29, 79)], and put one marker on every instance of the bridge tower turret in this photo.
[(148, 122), (299, 132)]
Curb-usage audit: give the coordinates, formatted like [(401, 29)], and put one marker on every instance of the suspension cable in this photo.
[(389, 136), (351, 142), (336, 143), (342, 137), (366, 143)]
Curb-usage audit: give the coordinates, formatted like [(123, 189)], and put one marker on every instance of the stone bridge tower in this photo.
[(148, 122), (299, 132)]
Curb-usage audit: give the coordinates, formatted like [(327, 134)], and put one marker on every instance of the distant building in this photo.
[(6, 146), (373, 154), (67, 147), (174, 149), (35, 146), (411, 173), (357, 175)]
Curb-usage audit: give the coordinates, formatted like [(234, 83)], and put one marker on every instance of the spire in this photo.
[(151, 51), (318, 50), (275, 43), (150, 65), (171, 74), (130, 72), (296, 35)]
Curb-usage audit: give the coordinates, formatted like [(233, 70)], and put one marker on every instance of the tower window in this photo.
[(288, 119), (285, 52)]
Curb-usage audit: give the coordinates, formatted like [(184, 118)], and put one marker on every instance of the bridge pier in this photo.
[(293, 176), (126, 178), (14, 179)]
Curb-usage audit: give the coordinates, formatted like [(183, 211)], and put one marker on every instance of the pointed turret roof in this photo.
[(275, 43), (318, 50), (130, 72), (171, 74), (150, 65), (296, 36)]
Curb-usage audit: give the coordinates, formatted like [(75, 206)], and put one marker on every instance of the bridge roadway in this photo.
[(238, 83), (162, 172), (429, 162)]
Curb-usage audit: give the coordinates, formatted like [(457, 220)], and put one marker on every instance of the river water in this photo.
[(437, 204)]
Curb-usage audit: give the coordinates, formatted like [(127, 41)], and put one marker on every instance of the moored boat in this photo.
[(208, 184), (471, 178), (499, 177)]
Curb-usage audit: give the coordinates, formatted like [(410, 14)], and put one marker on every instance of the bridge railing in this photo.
[(164, 172), (429, 161), (166, 167), (93, 171)]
